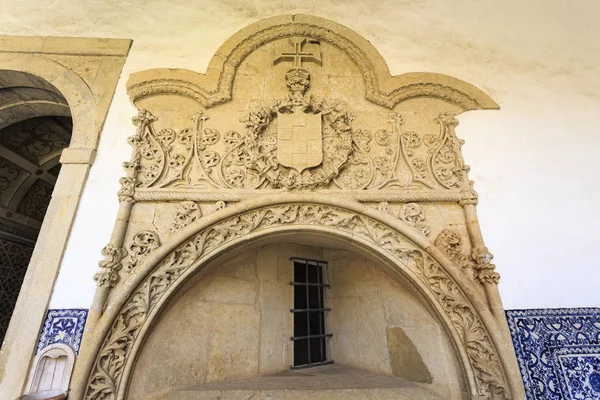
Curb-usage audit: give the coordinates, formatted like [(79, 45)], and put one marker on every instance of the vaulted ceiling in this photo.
[(35, 126)]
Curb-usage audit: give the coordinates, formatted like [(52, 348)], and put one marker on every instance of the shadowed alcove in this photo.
[(228, 330)]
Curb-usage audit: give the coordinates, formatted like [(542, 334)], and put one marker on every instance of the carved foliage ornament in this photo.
[(141, 245), (338, 156), (106, 376), (452, 244), (186, 213), (411, 213)]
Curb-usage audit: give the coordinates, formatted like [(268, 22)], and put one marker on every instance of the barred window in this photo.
[(310, 337)]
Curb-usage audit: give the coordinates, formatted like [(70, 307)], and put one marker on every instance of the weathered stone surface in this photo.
[(405, 360)]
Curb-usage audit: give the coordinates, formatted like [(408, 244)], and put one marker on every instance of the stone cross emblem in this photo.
[(299, 133), (301, 53)]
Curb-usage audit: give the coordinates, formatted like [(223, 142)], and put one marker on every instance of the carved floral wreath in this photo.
[(251, 162)]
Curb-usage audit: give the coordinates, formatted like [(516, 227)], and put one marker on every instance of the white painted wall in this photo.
[(535, 162)]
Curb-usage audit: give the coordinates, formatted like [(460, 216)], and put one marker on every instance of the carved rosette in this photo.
[(106, 376)]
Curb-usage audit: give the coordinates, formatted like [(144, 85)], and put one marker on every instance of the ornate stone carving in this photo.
[(109, 267), (343, 157), (384, 206), (106, 376), (128, 183), (141, 245), (414, 215), (452, 243), (486, 273), (475, 338), (250, 160), (187, 212), (447, 163)]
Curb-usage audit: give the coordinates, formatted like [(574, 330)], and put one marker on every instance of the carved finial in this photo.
[(446, 119), (199, 119), (396, 120), (127, 182), (300, 54)]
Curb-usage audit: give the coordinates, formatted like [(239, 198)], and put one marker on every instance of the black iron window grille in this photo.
[(310, 337)]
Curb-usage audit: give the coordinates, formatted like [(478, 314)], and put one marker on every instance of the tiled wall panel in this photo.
[(558, 352)]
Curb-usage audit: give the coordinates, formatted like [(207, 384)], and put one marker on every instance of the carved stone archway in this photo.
[(338, 147), (470, 324)]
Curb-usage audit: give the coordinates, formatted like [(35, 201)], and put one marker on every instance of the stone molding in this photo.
[(403, 196), (77, 156), (411, 254), (215, 87)]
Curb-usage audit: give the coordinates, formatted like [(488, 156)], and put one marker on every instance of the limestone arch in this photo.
[(26, 56), (73, 88), (133, 308)]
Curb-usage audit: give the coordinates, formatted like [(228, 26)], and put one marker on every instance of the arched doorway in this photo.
[(35, 127)]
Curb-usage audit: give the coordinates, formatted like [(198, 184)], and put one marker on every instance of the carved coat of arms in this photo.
[(299, 140)]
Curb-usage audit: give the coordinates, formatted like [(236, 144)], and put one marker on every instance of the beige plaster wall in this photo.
[(233, 321), (533, 162)]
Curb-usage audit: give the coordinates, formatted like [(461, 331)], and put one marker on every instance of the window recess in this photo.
[(310, 336)]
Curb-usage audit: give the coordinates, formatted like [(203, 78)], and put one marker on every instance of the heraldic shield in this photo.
[(299, 140)]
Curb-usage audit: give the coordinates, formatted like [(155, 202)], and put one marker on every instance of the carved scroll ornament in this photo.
[(107, 374), (352, 159)]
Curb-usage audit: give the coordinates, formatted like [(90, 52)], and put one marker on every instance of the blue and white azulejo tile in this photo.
[(63, 326), (558, 351)]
